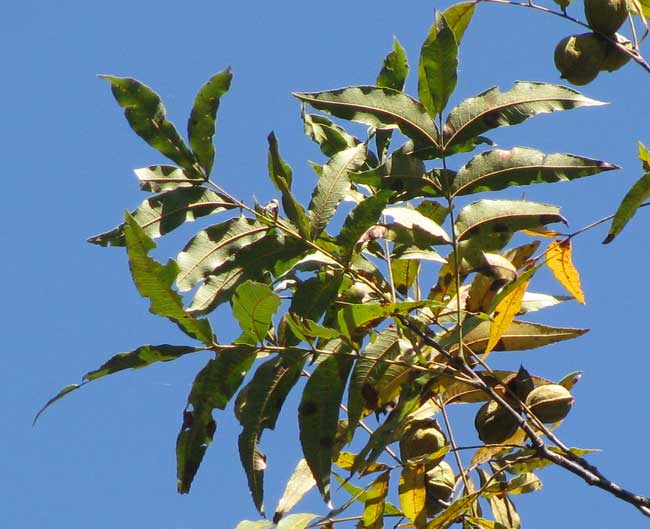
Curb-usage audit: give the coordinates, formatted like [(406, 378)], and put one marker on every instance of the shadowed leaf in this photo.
[(163, 213), (494, 108), (437, 68), (254, 304), (395, 68), (330, 137), (203, 118), (154, 282), (632, 201), (147, 116), (500, 169)]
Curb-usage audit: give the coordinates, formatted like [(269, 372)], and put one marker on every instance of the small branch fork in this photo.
[(567, 460)]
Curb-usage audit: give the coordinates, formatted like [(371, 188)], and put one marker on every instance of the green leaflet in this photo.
[(257, 409), (333, 185), (404, 273), (449, 516), (493, 108), (254, 305), (499, 169), (146, 114), (362, 495), (296, 521), (143, 356), (163, 213), (154, 282), (214, 246), (519, 336), (380, 108), (499, 216), (330, 137), (437, 68), (280, 174), (307, 330), (203, 118), (212, 388), (368, 371), (395, 68), (458, 17), (257, 524), (158, 178), (413, 220), (375, 502), (632, 201), (319, 412)]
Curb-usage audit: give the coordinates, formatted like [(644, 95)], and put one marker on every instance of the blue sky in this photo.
[(104, 457)]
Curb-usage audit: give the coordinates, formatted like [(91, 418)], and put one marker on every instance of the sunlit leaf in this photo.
[(494, 108), (534, 301), (332, 186), (375, 502), (522, 484), (527, 460), (214, 246), (157, 178), (437, 68), (412, 219), (360, 494), (499, 169), (281, 176), (380, 108), (318, 415), (449, 516), (412, 494), (482, 523), (212, 388), (258, 524), (299, 484), (504, 216), (202, 122), (458, 17), (257, 409), (163, 213), (504, 512), (632, 201), (154, 281), (147, 116), (296, 521), (559, 261)]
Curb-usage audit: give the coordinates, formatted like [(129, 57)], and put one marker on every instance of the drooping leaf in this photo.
[(375, 503), (504, 512), (412, 494), (212, 388), (404, 273), (559, 261), (147, 116), (299, 484), (380, 108), (154, 282), (501, 216), (368, 370), (158, 178), (362, 217), (140, 357), (333, 185), (281, 175), (437, 68), (412, 219), (163, 213), (214, 246), (308, 330), (449, 516), (519, 336), (352, 317), (203, 118), (395, 68), (330, 137), (318, 416), (632, 201), (257, 409), (458, 17), (499, 169), (493, 108), (254, 304), (296, 521)]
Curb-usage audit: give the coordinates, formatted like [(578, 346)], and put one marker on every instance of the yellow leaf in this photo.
[(412, 494), (558, 259), (541, 232), (504, 314), (373, 512)]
